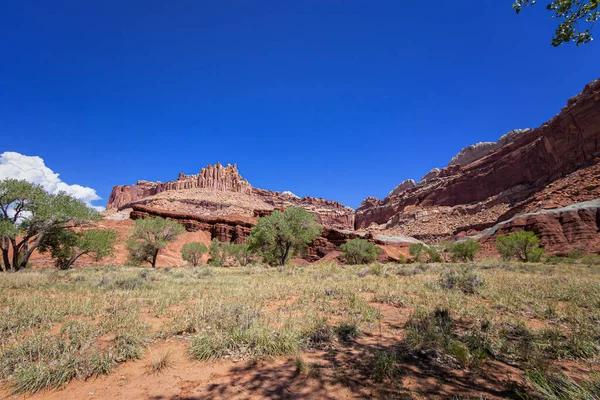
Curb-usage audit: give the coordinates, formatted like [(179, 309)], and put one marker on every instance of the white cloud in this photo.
[(33, 169)]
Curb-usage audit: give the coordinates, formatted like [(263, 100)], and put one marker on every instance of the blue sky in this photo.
[(333, 99)]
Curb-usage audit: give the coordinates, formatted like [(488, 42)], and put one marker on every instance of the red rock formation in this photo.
[(522, 167), (220, 191), (225, 228), (212, 177), (562, 230)]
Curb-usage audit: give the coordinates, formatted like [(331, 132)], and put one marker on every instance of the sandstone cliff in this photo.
[(489, 183), (221, 191)]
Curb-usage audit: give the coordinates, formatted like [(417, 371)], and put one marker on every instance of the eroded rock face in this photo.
[(479, 192), (561, 230), (221, 191), (405, 185), (215, 177)]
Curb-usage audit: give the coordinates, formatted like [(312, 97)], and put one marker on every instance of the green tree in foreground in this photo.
[(523, 245), (433, 254), (283, 234), (29, 214), (465, 250), (66, 246), (360, 251), (192, 252), (571, 13), (149, 237), (416, 251)]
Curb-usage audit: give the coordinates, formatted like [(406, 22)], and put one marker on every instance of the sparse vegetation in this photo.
[(360, 251), (74, 324)]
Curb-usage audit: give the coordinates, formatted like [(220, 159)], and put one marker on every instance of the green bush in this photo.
[(433, 255), (360, 251), (522, 245), (215, 253), (192, 252), (416, 251), (464, 250)]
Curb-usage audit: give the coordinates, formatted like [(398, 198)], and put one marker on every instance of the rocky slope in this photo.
[(488, 183)]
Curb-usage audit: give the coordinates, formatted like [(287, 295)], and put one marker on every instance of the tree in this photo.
[(433, 255), (282, 234), (360, 251), (66, 245), (523, 245), (416, 251), (215, 254), (28, 214), (464, 250), (239, 254), (149, 237), (571, 13), (192, 252)]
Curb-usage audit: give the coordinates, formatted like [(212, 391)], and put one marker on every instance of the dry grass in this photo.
[(56, 326)]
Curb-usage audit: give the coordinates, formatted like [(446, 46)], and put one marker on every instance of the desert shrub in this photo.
[(383, 366), (429, 330), (192, 252), (401, 259), (416, 251), (465, 250), (433, 255), (463, 278), (522, 245), (347, 330), (360, 251)]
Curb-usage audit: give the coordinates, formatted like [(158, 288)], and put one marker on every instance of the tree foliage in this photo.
[(238, 254), (465, 250), (215, 253), (29, 214), (571, 13), (416, 251), (149, 237), (523, 245), (360, 251), (283, 234), (66, 245), (192, 252)]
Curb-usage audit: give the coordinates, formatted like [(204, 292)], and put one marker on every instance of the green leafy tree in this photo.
[(523, 245), (192, 252), (360, 251), (66, 245), (215, 253), (28, 214), (283, 234), (465, 250), (571, 13), (238, 254), (149, 237), (433, 255), (416, 251)]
